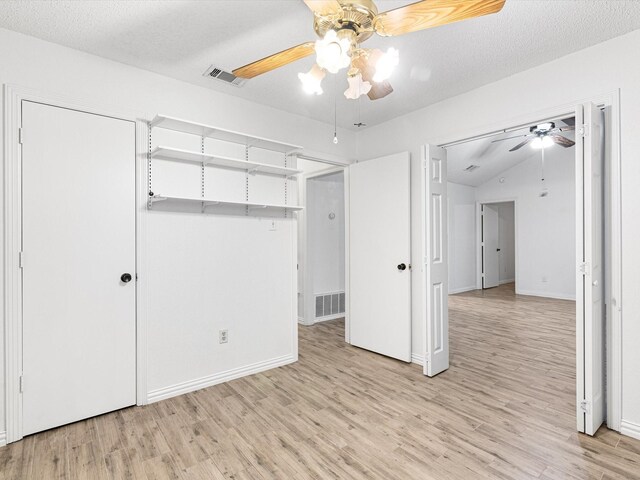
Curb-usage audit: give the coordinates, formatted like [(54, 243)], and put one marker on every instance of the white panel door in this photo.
[(436, 265), (380, 256), (490, 247), (78, 206), (590, 278)]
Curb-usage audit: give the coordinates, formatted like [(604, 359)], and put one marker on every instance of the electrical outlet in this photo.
[(223, 336)]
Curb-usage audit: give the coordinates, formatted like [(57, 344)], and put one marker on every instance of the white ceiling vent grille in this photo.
[(224, 76), (471, 168)]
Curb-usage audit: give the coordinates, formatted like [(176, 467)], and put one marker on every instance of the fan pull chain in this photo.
[(335, 109)]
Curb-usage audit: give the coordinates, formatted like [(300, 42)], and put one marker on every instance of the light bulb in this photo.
[(311, 80), (335, 139), (332, 53), (541, 142), (386, 64), (356, 87)]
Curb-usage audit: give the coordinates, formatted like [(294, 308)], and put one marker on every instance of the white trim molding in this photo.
[(211, 380), (630, 429), (462, 289), (417, 358), (3, 439), (557, 296)]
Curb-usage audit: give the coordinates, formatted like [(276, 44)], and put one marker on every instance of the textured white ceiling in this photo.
[(181, 39), (492, 157)]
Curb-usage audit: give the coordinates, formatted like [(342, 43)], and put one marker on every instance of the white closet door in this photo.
[(436, 263), (78, 204), (589, 289), (490, 247), (380, 256)]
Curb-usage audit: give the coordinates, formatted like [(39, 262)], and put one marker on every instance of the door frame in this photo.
[(14, 95), (479, 205), (613, 227), (333, 166)]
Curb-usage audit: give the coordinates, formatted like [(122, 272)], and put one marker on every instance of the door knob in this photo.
[(402, 266), (125, 277)]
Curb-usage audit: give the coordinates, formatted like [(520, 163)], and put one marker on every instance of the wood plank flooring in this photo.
[(505, 409)]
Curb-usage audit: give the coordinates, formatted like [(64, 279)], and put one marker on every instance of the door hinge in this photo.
[(585, 406), (20, 135), (21, 383), (20, 259), (584, 130), (583, 268)]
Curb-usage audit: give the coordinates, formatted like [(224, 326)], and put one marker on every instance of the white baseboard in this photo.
[(462, 290), (417, 358), (630, 429), (199, 383), (329, 317), (558, 296), (3, 439), (508, 280)]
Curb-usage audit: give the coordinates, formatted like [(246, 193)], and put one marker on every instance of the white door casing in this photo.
[(590, 323), (79, 326), (490, 246), (380, 256), (435, 264)]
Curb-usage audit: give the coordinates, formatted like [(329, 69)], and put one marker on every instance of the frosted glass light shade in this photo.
[(332, 53), (311, 81), (356, 87)]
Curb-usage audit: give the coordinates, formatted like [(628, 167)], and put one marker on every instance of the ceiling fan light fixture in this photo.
[(541, 142), (311, 81), (386, 64), (357, 87), (332, 53)]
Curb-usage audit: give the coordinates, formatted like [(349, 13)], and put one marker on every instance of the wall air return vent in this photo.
[(330, 304), (471, 168), (224, 76)]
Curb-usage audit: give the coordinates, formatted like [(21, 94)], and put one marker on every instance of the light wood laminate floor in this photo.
[(505, 409)]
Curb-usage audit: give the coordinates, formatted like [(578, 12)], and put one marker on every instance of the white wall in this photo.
[(234, 259), (545, 226), (596, 70), (325, 195), (462, 237)]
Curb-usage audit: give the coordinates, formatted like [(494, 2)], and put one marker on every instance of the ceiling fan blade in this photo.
[(379, 90), (567, 129), (432, 13), (520, 145), (324, 8), (366, 65), (275, 61), (562, 141), (510, 138)]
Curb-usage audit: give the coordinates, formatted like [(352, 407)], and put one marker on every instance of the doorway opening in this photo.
[(498, 244), (586, 258), (321, 244)]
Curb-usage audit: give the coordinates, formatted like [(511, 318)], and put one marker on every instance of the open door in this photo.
[(380, 256), (590, 322), (490, 247), (436, 305)]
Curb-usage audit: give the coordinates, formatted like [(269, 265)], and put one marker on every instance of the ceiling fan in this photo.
[(544, 135), (343, 25)]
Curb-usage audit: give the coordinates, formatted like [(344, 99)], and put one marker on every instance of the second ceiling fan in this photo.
[(343, 25)]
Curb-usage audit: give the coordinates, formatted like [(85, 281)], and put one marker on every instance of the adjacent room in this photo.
[(323, 239)]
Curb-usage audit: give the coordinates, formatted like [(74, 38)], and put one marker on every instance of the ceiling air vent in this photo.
[(224, 76), (471, 168)]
